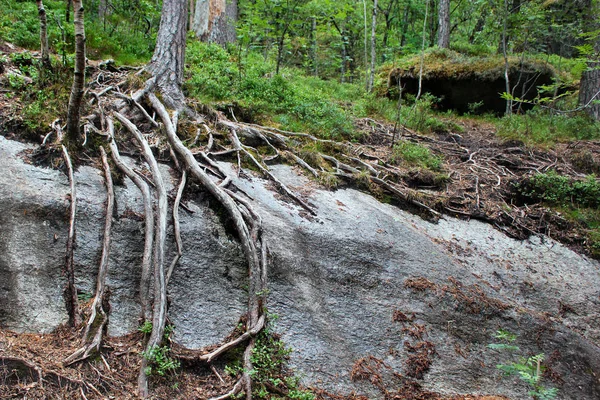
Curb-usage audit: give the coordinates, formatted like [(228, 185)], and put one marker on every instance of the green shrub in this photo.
[(415, 155), (561, 190), (546, 128), (292, 101)]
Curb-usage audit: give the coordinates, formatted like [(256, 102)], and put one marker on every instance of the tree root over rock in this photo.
[(253, 146), (98, 319)]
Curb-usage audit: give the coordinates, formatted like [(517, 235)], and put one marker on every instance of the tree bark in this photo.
[(167, 62), (45, 53), (422, 52), (505, 55), (444, 24), (373, 50), (589, 89), (74, 110), (405, 18), (214, 21), (70, 292)]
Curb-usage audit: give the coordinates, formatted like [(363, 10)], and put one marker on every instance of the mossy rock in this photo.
[(470, 84)]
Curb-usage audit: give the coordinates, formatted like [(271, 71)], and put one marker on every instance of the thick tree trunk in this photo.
[(73, 112), (589, 91), (167, 63), (45, 54), (214, 21), (444, 24)]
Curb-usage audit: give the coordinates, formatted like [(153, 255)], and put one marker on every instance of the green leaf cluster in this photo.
[(528, 369), (561, 190), (289, 100), (160, 361)]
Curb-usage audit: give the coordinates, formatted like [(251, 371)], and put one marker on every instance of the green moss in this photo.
[(448, 64), (415, 155)]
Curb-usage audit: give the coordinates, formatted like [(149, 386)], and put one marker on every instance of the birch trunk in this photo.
[(74, 110)]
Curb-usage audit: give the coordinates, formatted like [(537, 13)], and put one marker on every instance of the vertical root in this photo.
[(159, 309), (96, 325), (70, 293), (176, 227), (149, 220)]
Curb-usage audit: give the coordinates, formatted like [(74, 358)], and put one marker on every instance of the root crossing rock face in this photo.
[(360, 281)]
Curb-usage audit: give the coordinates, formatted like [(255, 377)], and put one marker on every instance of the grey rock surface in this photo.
[(336, 280)]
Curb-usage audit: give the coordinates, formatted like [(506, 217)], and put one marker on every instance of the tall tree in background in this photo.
[(45, 53), (589, 89), (444, 24), (373, 47), (214, 20), (389, 14)]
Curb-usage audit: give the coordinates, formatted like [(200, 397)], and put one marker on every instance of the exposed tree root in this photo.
[(159, 309), (22, 370), (96, 325), (149, 220), (70, 293), (362, 165), (176, 228), (247, 225)]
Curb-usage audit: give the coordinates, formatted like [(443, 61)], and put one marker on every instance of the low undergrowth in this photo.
[(271, 379), (539, 127), (576, 199), (246, 83)]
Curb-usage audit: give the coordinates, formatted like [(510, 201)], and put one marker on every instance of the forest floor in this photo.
[(478, 179)]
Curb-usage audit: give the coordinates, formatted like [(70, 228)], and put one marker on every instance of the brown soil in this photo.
[(483, 170)]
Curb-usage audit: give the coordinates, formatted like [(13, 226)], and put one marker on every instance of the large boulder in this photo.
[(471, 84), (363, 279)]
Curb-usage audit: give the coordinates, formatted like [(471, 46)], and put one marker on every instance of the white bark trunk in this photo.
[(444, 22)]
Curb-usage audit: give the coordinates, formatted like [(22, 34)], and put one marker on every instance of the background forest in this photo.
[(308, 65)]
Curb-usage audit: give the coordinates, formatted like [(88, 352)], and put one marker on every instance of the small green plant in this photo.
[(269, 356), (16, 81), (415, 155), (528, 369), (84, 296), (561, 190), (159, 360), (474, 107), (146, 327)]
